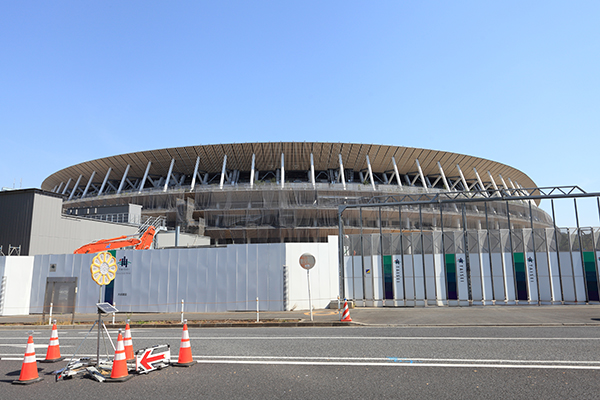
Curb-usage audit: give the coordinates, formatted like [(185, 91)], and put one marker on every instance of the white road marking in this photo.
[(312, 338), (398, 359), (22, 346), (403, 364), (384, 362)]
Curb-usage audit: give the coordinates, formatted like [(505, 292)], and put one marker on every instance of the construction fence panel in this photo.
[(566, 267), (474, 257), (575, 247), (429, 261)]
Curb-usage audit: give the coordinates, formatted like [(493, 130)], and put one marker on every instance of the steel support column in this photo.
[(443, 176), (504, 185), (362, 256), (169, 175), (312, 171), (580, 254), (444, 254), (195, 174), (467, 257), (479, 179), (87, 187), (342, 175), (223, 171), (487, 231), (462, 177), (402, 254), (123, 179), (421, 175), (252, 171), (104, 181), (370, 172), (340, 251), (75, 187), (423, 253), (562, 296), (493, 181), (512, 254), (143, 182), (537, 278), (381, 261), (397, 173), (66, 186), (282, 172)]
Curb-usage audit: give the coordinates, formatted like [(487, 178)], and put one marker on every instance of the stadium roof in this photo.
[(296, 158)]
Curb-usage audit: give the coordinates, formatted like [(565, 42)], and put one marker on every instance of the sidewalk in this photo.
[(524, 315)]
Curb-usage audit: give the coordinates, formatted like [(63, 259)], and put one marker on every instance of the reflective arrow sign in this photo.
[(151, 358)]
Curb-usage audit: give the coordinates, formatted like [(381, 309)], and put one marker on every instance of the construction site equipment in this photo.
[(142, 242), (185, 349), (153, 358), (346, 313), (128, 343), (119, 371), (53, 352), (29, 372)]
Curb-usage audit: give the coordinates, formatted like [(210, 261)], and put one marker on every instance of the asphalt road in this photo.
[(352, 362)]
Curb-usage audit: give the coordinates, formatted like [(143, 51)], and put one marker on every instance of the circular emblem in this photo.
[(307, 261), (104, 268)]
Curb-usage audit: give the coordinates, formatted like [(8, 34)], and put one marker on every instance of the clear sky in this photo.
[(513, 81)]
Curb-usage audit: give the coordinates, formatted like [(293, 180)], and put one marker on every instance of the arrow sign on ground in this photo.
[(148, 359)]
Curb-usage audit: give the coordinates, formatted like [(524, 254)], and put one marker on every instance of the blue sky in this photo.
[(513, 81)]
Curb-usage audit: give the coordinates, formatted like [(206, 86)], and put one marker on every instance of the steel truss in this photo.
[(520, 194), (461, 198)]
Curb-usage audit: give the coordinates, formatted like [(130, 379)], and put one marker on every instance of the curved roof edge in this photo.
[(296, 157)]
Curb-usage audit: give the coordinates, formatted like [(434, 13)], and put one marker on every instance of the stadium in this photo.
[(286, 192), (387, 226)]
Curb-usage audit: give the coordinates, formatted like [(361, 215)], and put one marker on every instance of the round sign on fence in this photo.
[(103, 268), (307, 261)]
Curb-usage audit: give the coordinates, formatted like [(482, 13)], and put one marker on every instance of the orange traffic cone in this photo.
[(346, 313), (29, 371), (119, 371), (128, 344), (53, 352), (185, 349)]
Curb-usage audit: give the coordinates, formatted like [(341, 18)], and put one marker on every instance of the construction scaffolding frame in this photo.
[(518, 243)]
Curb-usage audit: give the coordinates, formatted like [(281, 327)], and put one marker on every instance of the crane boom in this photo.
[(142, 243)]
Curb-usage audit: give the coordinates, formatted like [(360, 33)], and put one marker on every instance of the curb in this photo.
[(191, 325), (300, 324), (483, 325)]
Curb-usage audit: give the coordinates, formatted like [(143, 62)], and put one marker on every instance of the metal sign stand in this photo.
[(103, 271), (309, 296), (77, 365), (103, 308), (99, 324), (307, 261)]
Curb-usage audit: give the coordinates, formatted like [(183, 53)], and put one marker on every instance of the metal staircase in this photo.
[(159, 223)]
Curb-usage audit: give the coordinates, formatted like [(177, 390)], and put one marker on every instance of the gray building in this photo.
[(32, 222)]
